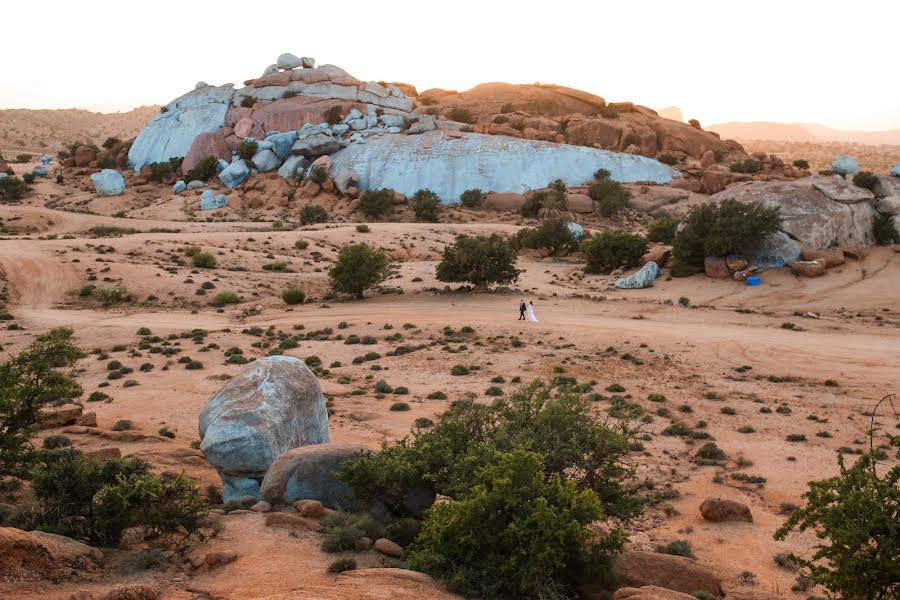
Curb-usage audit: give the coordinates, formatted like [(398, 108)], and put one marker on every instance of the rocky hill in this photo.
[(47, 131)]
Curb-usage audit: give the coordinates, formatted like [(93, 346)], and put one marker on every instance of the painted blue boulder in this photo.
[(282, 144), (108, 182), (196, 184), (895, 170), (576, 230), (46, 160), (844, 165), (209, 200), (179, 187), (272, 405), (221, 165), (642, 279), (310, 473), (291, 166), (776, 250), (265, 160), (40, 171), (235, 174), (4, 175)]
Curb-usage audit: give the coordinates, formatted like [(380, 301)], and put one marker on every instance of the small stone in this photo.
[(719, 509), (388, 548), (288, 61)]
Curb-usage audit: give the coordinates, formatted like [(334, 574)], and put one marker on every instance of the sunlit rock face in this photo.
[(450, 165)]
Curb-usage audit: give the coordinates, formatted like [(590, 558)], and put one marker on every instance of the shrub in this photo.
[(608, 112), (801, 164), (97, 499), (52, 442), (729, 227), (610, 196), (333, 115), (884, 230), (376, 203), (602, 174), (248, 102), (471, 198), (203, 170), (358, 268), (293, 296), (461, 114), (301, 244), (113, 295), (400, 406), (160, 170), (342, 564), (480, 260), (865, 179), (855, 516), (612, 249), (362, 228), (507, 108), (425, 205), (226, 297), (552, 234), (662, 230), (318, 174), (12, 188), (500, 119), (668, 159), (203, 260), (247, 149), (276, 265), (28, 178), (710, 451), (313, 213), (677, 548), (545, 199)]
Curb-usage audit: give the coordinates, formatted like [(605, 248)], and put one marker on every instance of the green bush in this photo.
[(12, 188), (318, 174), (28, 178), (203, 260), (865, 179), (301, 244), (612, 249), (461, 114), (110, 142), (358, 268), (855, 516), (884, 230), (750, 165), (159, 171), (608, 112), (729, 227), (515, 522), (480, 260), (313, 213), (247, 149), (203, 170), (362, 228), (342, 564), (677, 548), (376, 203), (52, 442), (226, 297), (610, 196), (293, 296), (113, 295), (552, 234), (500, 119), (544, 199), (801, 164), (97, 499), (399, 406), (425, 205), (662, 230), (248, 102)]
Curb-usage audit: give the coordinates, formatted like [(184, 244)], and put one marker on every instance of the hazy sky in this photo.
[(789, 60)]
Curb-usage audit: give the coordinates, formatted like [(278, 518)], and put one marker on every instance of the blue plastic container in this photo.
[(753, 280)]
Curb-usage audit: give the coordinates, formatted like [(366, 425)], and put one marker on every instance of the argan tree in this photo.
[(358, 268), (480, 260)]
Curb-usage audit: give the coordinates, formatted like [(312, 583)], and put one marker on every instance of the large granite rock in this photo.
[(450, 165), (315, 143), (288, 61), (809, 214), (309, 473), (271, 406), (840, 190), (171, 133), (722, 509), (234, 174), (44, 557), (291, 166), (845, 165), (210, 201), (210, 143), (644, 278), (108, 182), (265, 160), (776, 250), (637, 569)]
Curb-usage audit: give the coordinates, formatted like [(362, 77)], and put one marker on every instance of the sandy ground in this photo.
[(847, 331)]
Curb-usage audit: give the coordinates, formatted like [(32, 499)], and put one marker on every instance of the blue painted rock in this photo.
[(272, 405), (235, 174), (210, 201), (196, 184), (40, 171), (282, 144), (845, 165), (265, 160), (108, 182), (291, 166), (309, 473), (179, 187), (895, 170), (642, 279)]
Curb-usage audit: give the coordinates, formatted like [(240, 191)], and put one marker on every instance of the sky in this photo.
[(785, 61)]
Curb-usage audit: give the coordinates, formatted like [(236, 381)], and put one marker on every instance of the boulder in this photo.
[(39, 171), (576, 230), (808, 214), (637, 569), (311, 509), (282, 144), (171, 132), (346, 179), (288, 61), (505, 201), (804, 268), (271, 406), (235, 174), (708, 159), (895, 221), (108, 182), (776, 250), (844, 165), (308, 473), (840, 190), (719, 509), (210, 201), (642, 279), (307, 62), (196, 184), (84, 156), (291, 166), (650, 592), (832, 256), (315, 144), (67, 414), (658, 254), (735, 263), (424, 124), (449, 166), (43, 557), (290, 521), (265, 160), (895, 170), (244, 127), (716, 267), (179, 187), (209, 143), (388, 548), (261, 507), (714, 180), (889, 205), (579, 203)]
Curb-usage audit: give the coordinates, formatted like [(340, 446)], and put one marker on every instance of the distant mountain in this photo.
[(39, 131), (803, 132)]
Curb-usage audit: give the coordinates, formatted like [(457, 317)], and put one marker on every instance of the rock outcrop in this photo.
[(810, 216), (38, 556), (309, 473), (108, 182), (271, 406), (637, 569), (719, 509), (449, 165)]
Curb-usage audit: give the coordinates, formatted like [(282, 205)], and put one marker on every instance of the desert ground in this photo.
[(791, 357)]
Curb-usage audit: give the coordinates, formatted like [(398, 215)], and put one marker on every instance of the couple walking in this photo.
[(529, 309)]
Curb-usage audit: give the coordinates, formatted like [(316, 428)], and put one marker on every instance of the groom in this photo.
[(522, 310)]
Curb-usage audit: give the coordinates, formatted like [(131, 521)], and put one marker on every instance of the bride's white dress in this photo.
[(531, 316)]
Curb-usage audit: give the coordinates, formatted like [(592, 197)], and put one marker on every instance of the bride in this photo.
[(531, 316)]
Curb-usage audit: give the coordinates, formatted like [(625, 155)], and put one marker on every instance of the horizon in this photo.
[(812, 51)]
